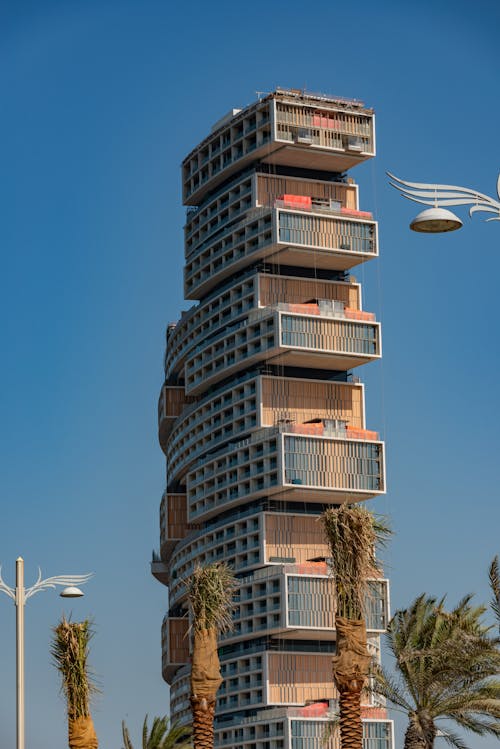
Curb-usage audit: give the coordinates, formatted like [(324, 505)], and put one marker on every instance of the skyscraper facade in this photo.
[(261, 418)]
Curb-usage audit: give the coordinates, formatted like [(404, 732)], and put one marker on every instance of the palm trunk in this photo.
[(81, 733), (205, 681), (203, 711), (351, 727), (350, 670), (420, 733)]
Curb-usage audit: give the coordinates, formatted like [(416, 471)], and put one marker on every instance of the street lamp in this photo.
[(20, 595), (438, 219)]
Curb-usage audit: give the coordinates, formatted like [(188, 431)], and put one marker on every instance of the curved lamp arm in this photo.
[(447, 195), (51, 582), (11, 592)]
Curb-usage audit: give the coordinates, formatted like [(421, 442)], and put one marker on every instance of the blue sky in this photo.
[(100, 103)]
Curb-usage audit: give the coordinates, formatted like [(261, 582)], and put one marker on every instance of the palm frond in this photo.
[(126, 737), (210, 596), (494, 576), (448, 662), (353, 533), (161, 736), (383, 684), (70, 650), (453, 739)]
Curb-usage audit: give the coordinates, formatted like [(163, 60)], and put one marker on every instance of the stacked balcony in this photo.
[(282, 236), (298, 728), (287, 127), (303, 706), (287, 337), (261, 418), (303, 463)]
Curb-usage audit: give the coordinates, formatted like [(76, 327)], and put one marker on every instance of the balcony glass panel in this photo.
[(328, 334), (319, 231), (335, 464)]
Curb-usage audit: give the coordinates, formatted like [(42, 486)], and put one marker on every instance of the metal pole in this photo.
[(20, 650), (20, 595)]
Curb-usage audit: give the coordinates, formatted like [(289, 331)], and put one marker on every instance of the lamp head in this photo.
[(71, 592), (435, 221)]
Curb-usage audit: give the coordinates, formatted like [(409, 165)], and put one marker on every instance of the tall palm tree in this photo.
[(495, 588), (70, 649), (446, 666), (210, 596), (160, 736), (353, 533)]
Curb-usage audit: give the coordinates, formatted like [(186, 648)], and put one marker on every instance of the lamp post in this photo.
[(438, 219), (20, 595)]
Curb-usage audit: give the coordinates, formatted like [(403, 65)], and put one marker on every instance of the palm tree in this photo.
[(160, 736), (495, 588), (70, 649), (210, 596), (352, 533), (446, 663)]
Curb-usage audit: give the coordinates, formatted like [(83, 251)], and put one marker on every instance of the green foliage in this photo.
[(210, 595), (446, 664), (353, 533), (70, 649), (160, 736)]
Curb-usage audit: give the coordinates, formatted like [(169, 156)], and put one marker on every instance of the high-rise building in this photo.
[(260, 417)]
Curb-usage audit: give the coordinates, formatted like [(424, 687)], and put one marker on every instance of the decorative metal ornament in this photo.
[(438, 219)]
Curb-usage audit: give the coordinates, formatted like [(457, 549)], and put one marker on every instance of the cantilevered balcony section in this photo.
[(174, 645), (299, 728), (298, 602), (285, 128), (173, 522), (257, 188), (309, 336), (261, 678), (252, 401), (249, 538), (293, 235), (325, 463), (249, 291), (171, 403)]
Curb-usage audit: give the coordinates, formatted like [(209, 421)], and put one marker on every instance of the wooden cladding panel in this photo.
[(173, 401), (301, 401), (178, 640), (275, 289), (301, 537), (177, 515), (270, 187), (295, 678)]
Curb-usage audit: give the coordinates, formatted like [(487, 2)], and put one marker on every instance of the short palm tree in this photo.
[(495, 588), (446, 666), (210, 596), (353, 533), (70, 649), (161, 735)]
